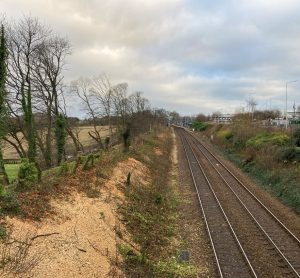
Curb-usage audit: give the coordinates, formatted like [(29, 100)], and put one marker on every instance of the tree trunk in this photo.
[(5, 179), (76, 142)]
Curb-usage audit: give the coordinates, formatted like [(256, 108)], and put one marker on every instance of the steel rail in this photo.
[(203, 212), (247, 189), (245, 207), (221, 208)]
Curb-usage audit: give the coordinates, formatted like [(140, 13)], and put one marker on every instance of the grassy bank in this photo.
[(31, 199), (282, 184), (150, 214), (269, 156), (149, 211)]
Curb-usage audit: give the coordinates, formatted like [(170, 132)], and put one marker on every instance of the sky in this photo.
[(192, 56)]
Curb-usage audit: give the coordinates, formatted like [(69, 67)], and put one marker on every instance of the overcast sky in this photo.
[(192, 56)]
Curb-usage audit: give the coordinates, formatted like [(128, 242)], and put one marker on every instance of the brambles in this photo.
[(270, 156)]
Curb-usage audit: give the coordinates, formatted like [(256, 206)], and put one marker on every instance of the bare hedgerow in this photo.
[(16, 256)]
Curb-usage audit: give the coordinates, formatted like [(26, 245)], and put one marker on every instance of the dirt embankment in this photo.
[(80, 238)]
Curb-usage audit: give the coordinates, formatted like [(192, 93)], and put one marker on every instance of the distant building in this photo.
[(292, 118), (293, 115), (225, 118)]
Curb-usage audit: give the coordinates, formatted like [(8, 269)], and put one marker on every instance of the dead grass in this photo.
[(150, 213)]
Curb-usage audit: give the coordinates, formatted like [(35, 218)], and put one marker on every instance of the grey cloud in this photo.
[(195, 56)]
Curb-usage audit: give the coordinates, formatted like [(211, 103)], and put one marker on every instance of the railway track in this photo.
[(230, 257), (280, 248)]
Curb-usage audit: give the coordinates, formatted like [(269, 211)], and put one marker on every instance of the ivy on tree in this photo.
[(3, 110), (60, 134)]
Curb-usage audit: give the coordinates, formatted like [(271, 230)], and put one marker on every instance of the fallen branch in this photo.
[(80, 249), (43, 235)]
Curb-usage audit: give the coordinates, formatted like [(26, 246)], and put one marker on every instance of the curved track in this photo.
[(279, 246)]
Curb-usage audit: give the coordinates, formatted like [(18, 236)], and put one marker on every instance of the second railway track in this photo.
[(265, 243)]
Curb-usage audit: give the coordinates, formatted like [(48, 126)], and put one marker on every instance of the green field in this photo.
[(12, 171)]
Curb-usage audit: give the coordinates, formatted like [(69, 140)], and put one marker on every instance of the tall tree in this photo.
[(102, 91), (3, 110), (121, 105), (25, 37), (48, 78), (82, 88)]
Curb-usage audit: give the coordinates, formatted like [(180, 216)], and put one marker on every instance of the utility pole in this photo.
[(286, 114)]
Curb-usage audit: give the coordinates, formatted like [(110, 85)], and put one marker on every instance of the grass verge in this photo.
[(150, 215), (280, 183)]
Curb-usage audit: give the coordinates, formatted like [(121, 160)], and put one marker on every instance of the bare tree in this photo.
[(24, 39), (138, 103), (82, 88), (72, 127), (47, 70), (121, 105), (102, 90)]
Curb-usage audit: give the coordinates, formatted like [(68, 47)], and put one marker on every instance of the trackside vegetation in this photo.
[(149, 211), (150, 215), (270, 156), (199, 126)]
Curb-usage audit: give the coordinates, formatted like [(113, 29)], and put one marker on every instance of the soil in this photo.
[(80, 239)]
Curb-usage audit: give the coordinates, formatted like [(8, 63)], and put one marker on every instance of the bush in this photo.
[(225, 134), (262, 139), (200, 126), (9, 204), (64, 169), (289, 154), (296, 137), (28, 174)]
